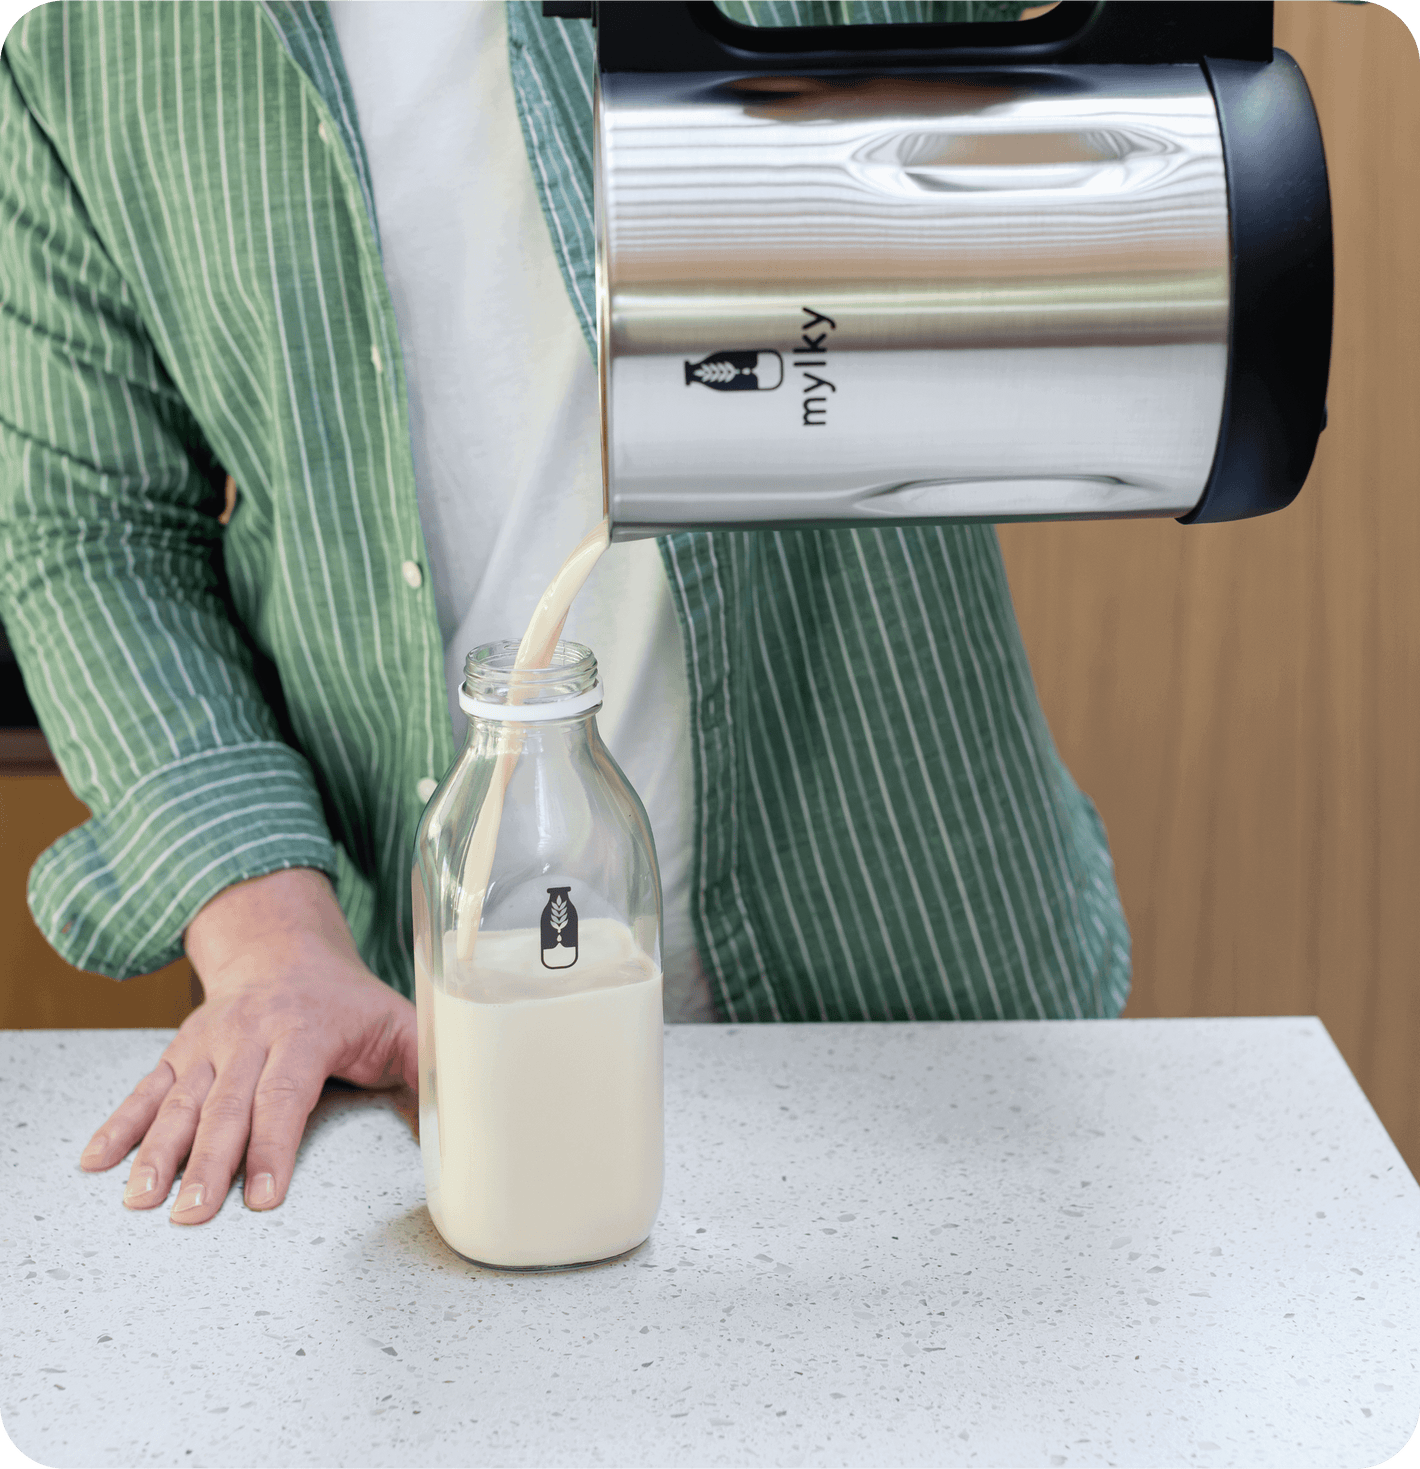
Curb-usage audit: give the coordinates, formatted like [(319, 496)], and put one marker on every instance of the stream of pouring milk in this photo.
[(535, 651), (544, 1144)]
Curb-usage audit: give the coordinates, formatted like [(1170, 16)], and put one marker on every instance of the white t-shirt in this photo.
[(503, 403)]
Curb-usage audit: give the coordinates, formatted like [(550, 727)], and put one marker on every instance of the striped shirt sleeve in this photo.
[(113, 593)]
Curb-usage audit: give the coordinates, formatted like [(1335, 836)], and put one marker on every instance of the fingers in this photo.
[(132, 1119), (220, 1137), (289, 1087), (156, 1162)]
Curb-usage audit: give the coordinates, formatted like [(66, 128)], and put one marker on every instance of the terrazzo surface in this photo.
[(1108, 1242)]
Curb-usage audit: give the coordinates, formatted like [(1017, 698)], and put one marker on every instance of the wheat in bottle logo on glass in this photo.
[(559, 930)]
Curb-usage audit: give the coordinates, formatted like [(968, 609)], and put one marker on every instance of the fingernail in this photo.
[(141, 1181), (261, 1191), (98, 1146), (189, 1198)]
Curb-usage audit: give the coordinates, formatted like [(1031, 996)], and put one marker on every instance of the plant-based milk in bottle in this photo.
[(538, 982)]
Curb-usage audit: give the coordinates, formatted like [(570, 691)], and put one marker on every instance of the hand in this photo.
[(288, 1003)]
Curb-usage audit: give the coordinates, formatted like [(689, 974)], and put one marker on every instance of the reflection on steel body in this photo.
[(989, 298)]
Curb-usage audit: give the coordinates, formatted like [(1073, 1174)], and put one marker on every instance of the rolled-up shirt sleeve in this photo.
[(113, 595)]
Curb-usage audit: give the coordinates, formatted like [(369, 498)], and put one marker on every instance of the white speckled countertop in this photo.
[(1104, 1242)]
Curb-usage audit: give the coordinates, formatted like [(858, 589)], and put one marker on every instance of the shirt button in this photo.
[(324, 133), (426, 788), (413, 577), (376, 358)]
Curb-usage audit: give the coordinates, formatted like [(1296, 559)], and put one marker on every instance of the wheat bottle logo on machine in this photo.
[(737, 372), (559, 930)]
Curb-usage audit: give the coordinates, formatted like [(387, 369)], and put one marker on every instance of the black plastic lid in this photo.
[(1279, 347)]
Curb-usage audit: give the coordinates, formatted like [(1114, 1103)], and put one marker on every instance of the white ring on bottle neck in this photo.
[(567, 708)]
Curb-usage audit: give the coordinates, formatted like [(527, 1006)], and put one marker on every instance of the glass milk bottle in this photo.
[(537, 944)]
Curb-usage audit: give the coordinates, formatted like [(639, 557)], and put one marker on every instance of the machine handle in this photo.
[(670, 36)]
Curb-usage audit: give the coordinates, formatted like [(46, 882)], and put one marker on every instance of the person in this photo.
[(298, 407)]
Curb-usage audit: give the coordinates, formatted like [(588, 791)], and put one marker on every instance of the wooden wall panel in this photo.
[(1243, 701)]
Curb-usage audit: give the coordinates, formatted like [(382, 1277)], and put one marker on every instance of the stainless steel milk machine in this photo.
[(1077, 266)]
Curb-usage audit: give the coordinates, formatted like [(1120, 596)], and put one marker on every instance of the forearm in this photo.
[(113, 595), (287, 913)]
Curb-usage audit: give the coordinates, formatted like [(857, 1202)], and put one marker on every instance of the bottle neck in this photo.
[(508, 736), (496, 690)]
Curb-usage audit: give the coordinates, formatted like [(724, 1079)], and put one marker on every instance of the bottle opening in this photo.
[(494, 689)]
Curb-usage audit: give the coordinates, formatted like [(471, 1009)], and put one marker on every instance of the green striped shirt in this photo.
[(190, 285)]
